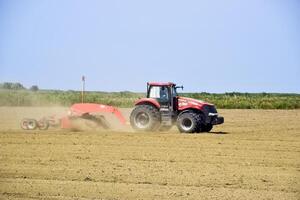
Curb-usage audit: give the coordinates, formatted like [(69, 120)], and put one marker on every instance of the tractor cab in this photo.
[(164, 93)]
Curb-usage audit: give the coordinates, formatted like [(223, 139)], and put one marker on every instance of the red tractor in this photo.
[(163, 107)]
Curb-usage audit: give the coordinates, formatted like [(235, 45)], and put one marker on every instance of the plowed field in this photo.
[(254, 155)]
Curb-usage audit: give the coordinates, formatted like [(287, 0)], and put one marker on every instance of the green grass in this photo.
[(126, 99)]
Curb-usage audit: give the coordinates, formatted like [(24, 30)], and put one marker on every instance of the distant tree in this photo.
[(18, 86), (12, 86), (34, 88), (6, 85)]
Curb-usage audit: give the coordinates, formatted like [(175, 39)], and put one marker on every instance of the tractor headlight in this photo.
[(212, 114)]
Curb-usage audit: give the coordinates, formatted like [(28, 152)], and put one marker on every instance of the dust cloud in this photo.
[(10, 118)]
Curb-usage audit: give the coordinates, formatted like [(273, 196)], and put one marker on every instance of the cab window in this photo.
[(154, 92), (158, 92)]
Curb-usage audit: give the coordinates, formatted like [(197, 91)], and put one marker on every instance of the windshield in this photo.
[(162, 92)]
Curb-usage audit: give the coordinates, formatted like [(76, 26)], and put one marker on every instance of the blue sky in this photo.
[(212, 46)]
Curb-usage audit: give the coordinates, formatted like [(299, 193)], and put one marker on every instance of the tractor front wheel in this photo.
[(145, 118), (206, 128), (188, 122)]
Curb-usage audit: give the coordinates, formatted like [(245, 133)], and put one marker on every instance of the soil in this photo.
[(254, 155)]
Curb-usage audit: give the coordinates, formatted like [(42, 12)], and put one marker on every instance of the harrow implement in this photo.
[(90, 112)]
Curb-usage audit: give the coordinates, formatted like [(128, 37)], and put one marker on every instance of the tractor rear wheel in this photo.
[(145, 118), (189, 122)]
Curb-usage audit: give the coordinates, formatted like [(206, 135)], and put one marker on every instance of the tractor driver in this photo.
[(164, 93)]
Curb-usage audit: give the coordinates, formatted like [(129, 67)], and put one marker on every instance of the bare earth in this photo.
[(254, 155)]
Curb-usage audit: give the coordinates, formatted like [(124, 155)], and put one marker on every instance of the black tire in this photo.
[(145, 118), (200, 124), (189, 122), (206, 128)]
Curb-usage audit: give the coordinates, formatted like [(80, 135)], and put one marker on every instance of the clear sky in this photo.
[(212, 46)]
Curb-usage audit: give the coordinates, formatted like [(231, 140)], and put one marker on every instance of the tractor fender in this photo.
[(150, 101)]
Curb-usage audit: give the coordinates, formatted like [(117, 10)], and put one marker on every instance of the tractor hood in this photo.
[(185, 102)]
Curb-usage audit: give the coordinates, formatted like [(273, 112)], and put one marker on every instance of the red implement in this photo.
[(90, 109), (87, 111)]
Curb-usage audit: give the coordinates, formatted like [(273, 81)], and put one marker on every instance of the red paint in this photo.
[(79, 109), (189, 103)]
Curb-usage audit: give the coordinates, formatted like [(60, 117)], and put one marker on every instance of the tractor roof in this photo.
[(161, 84)]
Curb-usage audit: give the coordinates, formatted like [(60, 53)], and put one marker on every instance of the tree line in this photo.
[(17, 86), (10, 96)]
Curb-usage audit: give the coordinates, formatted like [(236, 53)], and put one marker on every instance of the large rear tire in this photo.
[(145, 118), (189, 122)]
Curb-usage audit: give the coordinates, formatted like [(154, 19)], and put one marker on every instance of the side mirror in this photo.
[(179, 87)]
